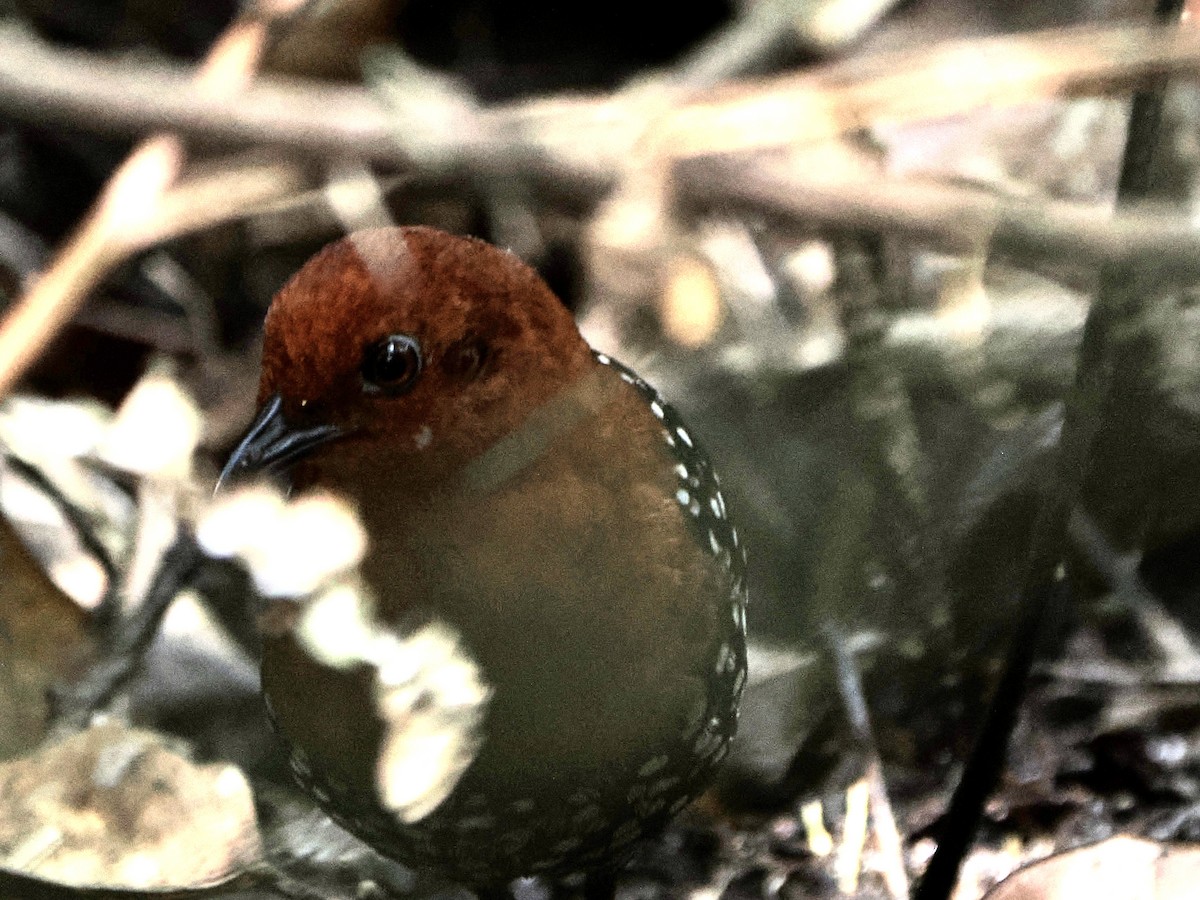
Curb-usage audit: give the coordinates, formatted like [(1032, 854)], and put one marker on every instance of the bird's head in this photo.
[(407, 347)]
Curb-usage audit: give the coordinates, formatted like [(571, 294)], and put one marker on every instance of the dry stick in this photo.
[(1118, 307), (123, 219), (83, 528), (891, 847), (954, 219), (1178, 655), (593, 137), (947, 79), (236, 188), (75, 704), (88, 254)]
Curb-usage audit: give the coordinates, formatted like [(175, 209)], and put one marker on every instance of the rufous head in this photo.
[(407, 342)]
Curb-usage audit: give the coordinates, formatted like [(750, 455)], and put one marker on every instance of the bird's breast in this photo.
[(604, 610)]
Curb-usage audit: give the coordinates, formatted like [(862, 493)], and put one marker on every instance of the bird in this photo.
[(541, 499)]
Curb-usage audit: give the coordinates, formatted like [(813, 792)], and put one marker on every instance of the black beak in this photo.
[(271, 445)]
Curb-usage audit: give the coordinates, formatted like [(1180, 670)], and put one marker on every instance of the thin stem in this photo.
[(177, 569)]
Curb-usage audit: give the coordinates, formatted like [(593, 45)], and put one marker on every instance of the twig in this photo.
[(947, 79), (74, 706), (127, 211), (1179, 657), (850, 688), (591, 139), (85, 258), (950, 218), (766, 30), (236, 189), (77, 520)]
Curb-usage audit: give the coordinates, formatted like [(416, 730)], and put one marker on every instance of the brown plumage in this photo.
[(543, 501)]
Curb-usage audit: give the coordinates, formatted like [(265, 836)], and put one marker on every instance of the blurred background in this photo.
[(856, 242)]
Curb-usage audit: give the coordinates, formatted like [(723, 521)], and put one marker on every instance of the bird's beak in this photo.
[(271, 444)]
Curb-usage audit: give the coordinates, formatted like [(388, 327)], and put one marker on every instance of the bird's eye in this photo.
[(391, 365)]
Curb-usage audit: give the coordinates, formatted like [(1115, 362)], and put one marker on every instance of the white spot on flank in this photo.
[(589, 819), (663, 785), (476, 823), (713, 542), (724, 657), (423, 437), (684, 436), (603, 358), (681, 470), (683, 497), (695, 715), (707, 743), (718, 506), (515, 839), (630, 831), (654, 766), (656, 408)]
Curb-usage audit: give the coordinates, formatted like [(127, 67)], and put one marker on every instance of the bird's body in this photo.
[(545, 503)]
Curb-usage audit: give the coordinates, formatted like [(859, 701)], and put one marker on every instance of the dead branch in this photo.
[(955, 219), (126, 217), (591, 138), (233, 189), (947, 79)]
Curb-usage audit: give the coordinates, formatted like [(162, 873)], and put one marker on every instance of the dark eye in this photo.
[(391, 365), (468, 358)]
